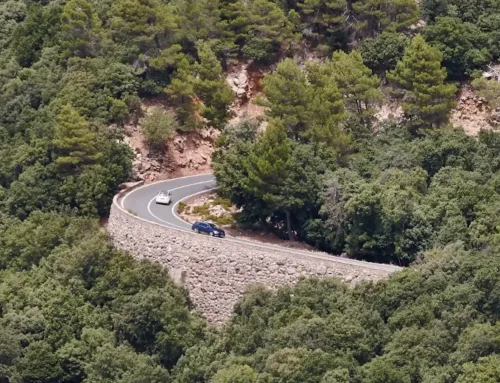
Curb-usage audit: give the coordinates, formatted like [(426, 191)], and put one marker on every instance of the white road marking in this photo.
[(257, 243), (158, 218), (295, 252), (174, 207), (122, 202), (177, 188)]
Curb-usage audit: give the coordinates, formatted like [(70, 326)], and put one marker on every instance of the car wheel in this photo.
[(211, 233), (196, 231)]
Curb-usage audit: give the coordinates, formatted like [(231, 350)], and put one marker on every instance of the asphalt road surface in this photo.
[(141, 202)]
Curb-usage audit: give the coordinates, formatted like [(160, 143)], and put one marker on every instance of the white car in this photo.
[(164, 197)]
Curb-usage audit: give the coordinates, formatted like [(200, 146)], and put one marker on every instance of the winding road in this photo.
[(141, 202)]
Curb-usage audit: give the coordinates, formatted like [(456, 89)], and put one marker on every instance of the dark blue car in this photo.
[(208, 228)]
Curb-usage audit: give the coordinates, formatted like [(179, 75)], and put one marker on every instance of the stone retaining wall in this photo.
[(217, 271)]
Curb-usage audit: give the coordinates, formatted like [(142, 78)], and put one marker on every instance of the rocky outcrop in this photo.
[(238, 81), (217, 271), (185, 153), (191, 153), (472, 112), (245, 81)]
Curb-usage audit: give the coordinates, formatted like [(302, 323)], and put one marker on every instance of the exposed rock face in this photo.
[(185, 153), (191, 153), (389, 111), (217, 271), (237, 79), (245, 80), (472, 112)]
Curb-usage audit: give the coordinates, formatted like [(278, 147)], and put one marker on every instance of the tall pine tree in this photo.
[(211, 87), (267, 169), (325, 19), (270, 33), (288, 96), (80, 29), (74, 142), (428, 99), (181, 92), (373, 16), (308, 103), (357, 83)]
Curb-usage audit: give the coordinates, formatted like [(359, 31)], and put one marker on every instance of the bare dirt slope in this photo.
[(184, 153), (472, 112), (190, 153), (245, 80)]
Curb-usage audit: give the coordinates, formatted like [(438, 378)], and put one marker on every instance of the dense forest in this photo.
[(416, 192)]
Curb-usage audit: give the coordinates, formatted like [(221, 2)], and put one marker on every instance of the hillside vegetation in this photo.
[(416, 192)]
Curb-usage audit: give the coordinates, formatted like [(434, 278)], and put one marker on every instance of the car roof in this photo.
[(164, 192)]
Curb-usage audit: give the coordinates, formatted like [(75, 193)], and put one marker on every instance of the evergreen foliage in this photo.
[(359, 87), (212, 88), (74, 309), (384, 51), (74, 143), (73, 73), (158, 126), (428, 99), (80, 29), (462, 44), (309, 103)]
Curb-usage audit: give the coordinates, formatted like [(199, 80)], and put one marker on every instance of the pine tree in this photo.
[(327, 112), (143, 24), (74, 143), (326, 109), (197, 19), (232, 27), (288, 97), (268, 160), (267, 169), (325, 19), (357, 84), (374, 16), (133, 21), (79, 29), (428, 99), (181, 92), (269, 30), (211, 87), (309, 104)]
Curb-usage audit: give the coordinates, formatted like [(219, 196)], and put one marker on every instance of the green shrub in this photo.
[(224, 220), (224, 202), (181, 207), (158, 126), (203, 210)]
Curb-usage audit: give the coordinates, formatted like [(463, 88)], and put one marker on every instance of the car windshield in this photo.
[(163, 193), (212, 225)]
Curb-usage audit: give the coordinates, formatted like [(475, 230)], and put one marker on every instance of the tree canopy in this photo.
[(320, 167)]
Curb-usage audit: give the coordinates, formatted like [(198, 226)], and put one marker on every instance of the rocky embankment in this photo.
[(218, 271)]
